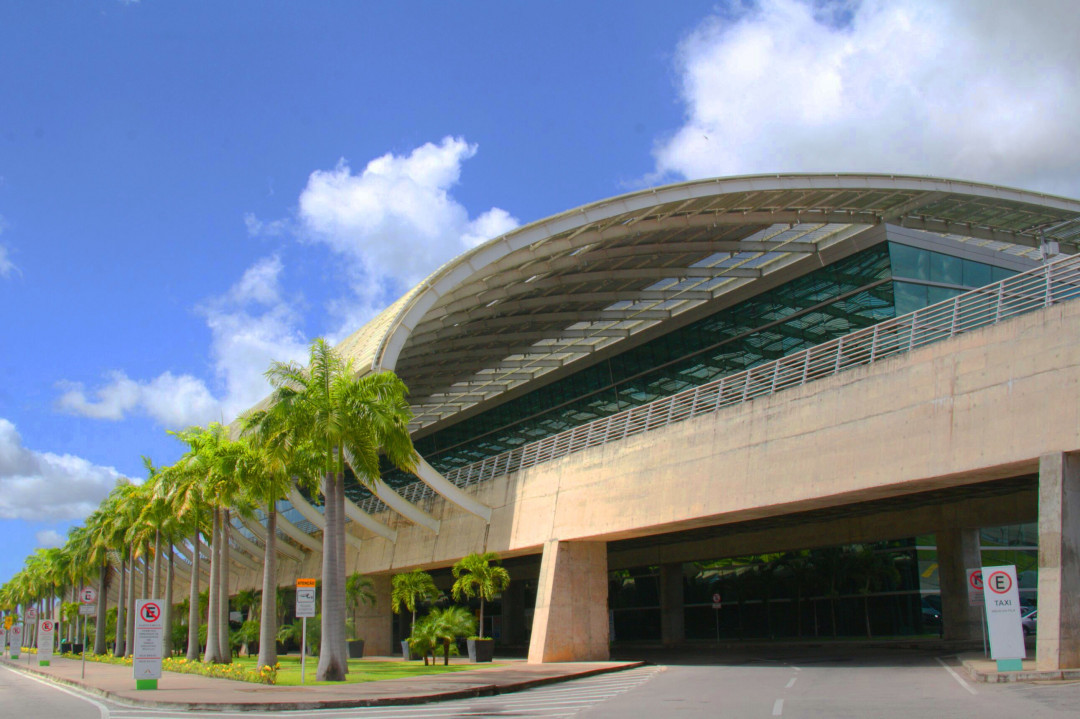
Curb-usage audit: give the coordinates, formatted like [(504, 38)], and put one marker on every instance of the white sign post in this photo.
[(87, 608), (15, 640), (149, 632), (975, 599), (305, 607), (3, 640), (46, 635), (1002, 600)]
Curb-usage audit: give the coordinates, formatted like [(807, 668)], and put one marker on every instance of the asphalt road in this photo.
[(819, 683)]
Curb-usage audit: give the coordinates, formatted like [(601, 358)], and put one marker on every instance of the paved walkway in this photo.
[(191, 691)]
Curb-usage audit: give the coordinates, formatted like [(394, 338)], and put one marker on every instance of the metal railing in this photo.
[(1037, 288)]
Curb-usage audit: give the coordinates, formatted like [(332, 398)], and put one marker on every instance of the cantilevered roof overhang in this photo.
[(536, 299)]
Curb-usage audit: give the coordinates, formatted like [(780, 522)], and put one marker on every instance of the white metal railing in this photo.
[(1043, 286)]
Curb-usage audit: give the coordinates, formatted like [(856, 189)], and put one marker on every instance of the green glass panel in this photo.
[(940, 294), (909, 297), (909, 262), (946, 268), (976, 274)]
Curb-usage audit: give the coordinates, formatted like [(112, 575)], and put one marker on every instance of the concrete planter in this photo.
[(406, 651), (481, 650), (356, 648)]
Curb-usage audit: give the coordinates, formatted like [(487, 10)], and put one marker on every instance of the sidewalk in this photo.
[(981, 669), (191, 691)]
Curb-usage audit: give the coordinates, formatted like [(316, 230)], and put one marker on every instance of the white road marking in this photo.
[(957, 677), (778, 707), (791, 683), (101, 707)]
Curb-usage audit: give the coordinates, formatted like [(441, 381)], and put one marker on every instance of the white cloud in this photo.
[(45, 486), (49, 538), (251, 325), (976, 90), (6, 265), (394, 222)]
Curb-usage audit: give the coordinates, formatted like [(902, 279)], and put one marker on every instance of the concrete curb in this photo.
[(482, 690), (1033, 675)]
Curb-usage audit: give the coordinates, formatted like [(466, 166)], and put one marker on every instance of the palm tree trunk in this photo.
[(332, 658), (193, 597), (129, 632), (480, 633), (213, 617), (224, 646), (268, 621), (118, 648), (99, 622), (170, 571), (157, 565), (146, 574), (340, 539)]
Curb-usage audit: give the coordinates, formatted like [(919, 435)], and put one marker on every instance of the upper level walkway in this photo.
[(1051, 284)]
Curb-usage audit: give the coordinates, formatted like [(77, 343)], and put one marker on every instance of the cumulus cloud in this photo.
[(46, 486), (49, 538), (394, 222), (975, 90), (251, 325)]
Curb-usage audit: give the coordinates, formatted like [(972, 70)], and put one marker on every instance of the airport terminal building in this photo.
[(820, 397)]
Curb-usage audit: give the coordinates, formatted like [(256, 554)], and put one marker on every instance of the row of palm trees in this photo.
[(319, 419)]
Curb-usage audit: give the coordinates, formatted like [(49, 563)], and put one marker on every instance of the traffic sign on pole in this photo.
[(15, 640), (88, 595), (975, 587), (46, 634), (149, 633), (305, 607)]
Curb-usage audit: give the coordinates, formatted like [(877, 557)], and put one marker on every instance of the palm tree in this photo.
[(478, 575), (184, 487), (447, 625), (266, 469), (349, 419), (409, 589)]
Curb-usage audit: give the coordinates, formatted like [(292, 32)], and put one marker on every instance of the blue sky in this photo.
[(191, 189)]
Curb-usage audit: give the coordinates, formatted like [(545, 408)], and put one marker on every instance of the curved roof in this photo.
[(554, 291)]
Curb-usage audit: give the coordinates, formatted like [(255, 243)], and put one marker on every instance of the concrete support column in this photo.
[(374, 624), (672, 620), (1058, 639), (958, 551), (513, 613), (571, 619)]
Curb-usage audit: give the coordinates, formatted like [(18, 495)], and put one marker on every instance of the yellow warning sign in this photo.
[(8, 621), (305, 583)]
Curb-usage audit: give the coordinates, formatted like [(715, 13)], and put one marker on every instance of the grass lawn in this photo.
[(360, 670)]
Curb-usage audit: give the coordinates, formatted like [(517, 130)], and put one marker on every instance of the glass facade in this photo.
[(863, 289), (884, 589)]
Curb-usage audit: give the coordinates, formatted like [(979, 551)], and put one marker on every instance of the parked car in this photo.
[(1029, 622)]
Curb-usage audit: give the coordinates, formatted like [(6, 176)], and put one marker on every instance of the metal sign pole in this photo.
[(84, 635), (717, 626), (982, 624), (303, 647)]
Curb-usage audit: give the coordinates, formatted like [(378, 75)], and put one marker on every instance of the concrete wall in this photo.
[(978, 407)]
